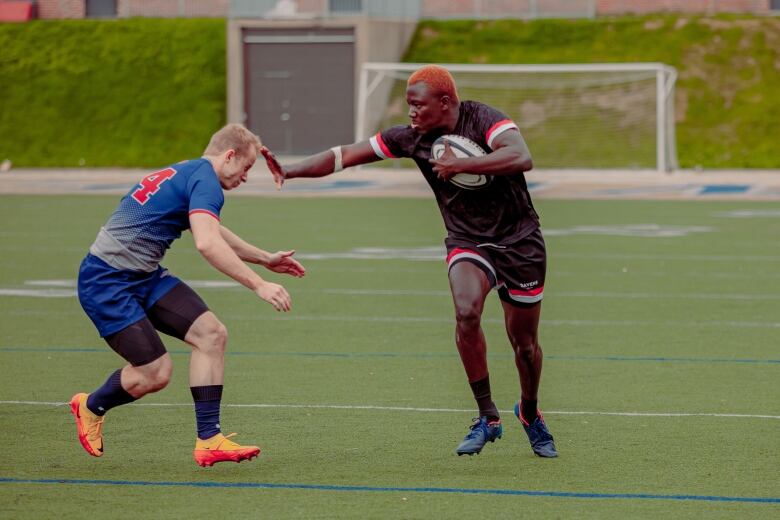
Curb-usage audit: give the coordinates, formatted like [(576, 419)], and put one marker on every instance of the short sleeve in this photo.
[(493, 123), (393, 143), (205, 192)]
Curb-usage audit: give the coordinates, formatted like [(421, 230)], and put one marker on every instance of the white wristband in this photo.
[(337, 165)]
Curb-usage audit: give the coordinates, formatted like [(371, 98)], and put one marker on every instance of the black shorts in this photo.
[(516, 270), (173, 314)]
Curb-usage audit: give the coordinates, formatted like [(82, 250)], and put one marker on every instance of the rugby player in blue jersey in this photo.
[(129, 296), (493, 234)]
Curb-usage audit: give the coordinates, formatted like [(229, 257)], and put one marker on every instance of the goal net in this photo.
[(616, 115)]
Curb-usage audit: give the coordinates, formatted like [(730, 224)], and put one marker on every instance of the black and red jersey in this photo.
[(499, 212)]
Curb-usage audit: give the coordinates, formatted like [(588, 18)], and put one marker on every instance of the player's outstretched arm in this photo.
[(279, 262), (510, 156), (321, 164), (214, 248)]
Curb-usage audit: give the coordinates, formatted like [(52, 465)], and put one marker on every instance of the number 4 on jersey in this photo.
[(151, 183)]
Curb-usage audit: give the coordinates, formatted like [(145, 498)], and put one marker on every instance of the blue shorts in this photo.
[(115, 299)]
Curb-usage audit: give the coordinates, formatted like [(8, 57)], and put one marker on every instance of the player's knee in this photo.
[(158, 377), (160, 380), (525, 346), (468, 315), (215, 338)]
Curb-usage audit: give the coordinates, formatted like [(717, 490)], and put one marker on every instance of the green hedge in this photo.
[(137, 92), (146, 92), (728, 90)]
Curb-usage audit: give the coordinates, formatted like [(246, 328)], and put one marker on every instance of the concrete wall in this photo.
[(385, 40)]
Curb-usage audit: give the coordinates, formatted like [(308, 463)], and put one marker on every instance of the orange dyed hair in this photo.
[(438, 79)]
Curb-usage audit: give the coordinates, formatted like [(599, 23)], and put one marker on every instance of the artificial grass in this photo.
[(651, 325)]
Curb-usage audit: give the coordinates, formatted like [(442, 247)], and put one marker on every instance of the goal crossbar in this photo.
[(373, 74)]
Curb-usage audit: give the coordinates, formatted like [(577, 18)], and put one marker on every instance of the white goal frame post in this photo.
[(373, 86)]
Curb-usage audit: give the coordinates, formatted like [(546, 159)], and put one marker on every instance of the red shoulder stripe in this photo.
[(207, 212), (383, 146)]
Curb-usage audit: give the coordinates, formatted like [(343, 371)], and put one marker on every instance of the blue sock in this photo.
[(207, 400), (109, 395)]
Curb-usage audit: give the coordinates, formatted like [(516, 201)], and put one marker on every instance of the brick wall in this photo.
[(615, 7), (472, 8), (312, 6), (61, 8), (173, 8), (430, 8), (533, 8), (127, 8)]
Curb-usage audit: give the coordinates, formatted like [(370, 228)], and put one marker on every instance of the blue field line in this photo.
[(719, 189), (346, 355), (464, 491)]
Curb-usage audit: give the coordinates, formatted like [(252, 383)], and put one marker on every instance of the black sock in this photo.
[(528, 410), (487, 407), (109, 395)]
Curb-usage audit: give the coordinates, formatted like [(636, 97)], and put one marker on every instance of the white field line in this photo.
[(58, 289), (573, 323), (718, 324), (426, 255), (425, 410), (749, 213), (691, 257), (569, 294), (39, 293)]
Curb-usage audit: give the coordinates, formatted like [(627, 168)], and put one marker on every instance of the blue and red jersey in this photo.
[(155, 212)]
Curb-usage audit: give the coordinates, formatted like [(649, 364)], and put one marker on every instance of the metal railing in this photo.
[(478, 9), (398, 9), (525, 9), (404, 9)]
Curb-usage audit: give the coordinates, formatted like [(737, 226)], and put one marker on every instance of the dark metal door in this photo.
[(299, 88), (100, 8)]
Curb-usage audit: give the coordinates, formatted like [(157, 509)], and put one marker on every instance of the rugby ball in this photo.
[(461, 147)]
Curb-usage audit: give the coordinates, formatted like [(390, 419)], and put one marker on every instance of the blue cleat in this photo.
[(482, 431), (540, 437)]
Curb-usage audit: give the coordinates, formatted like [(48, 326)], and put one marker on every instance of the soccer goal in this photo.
[(609, 115)]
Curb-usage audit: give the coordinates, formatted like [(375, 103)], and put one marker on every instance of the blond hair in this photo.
[(232, 137)]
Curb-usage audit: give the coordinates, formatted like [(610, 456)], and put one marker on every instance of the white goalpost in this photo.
[(583, 116)]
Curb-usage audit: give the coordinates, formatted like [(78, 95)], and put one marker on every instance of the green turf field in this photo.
[(686, 323)]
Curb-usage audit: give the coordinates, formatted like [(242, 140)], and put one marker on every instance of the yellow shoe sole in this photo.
[(75, 404), (207, 458)]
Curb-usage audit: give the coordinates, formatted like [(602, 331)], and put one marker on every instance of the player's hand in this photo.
[(276, 295), (283, 262), (276, 169), (447, 164)]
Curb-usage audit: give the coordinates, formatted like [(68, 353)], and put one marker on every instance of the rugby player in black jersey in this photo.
[(493, 234)]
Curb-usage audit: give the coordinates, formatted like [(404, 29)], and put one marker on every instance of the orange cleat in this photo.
[(220, 448), (88, 425)]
